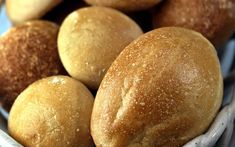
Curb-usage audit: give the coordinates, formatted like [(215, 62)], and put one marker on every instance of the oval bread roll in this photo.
[(91, 38), (52, 112), (215, 19), (126, 5), (164, 89), (28, 52), (23, 10)]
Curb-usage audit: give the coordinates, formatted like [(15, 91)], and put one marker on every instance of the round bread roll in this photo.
[(28, 52), (24, 10), (91, 38), (126, 5), (215, 19), (164, 89), (52, 112)]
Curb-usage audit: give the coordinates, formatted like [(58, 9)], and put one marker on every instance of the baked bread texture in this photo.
[(91, 38), (164, 89), (215, 19), (52, 112), (20, 11), (28, 52)]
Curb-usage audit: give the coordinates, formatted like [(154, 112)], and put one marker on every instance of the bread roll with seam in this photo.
[(24, 10), (125, 5), (52, 112), (28, 52), (164, 89), (91, 38), (215, 19)]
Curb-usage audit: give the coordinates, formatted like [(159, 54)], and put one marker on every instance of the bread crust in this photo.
[(52, 112), (215, 19), (24, 10), (125, 5), (91, 38), (28, 52), (164, 89)]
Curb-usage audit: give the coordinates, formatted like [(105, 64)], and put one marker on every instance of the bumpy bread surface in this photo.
[(126, 5), (23, 10), (163, 89), (91, 38), (215, 19), (52, 112), (28, 52)]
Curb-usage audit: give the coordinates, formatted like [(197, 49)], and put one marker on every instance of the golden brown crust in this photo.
[(215, 19), (27, 53), (23, 10), (126, 5), (91, 38), (163, 89), (52, 112)]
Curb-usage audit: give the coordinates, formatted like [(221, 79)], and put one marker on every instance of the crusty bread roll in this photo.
[(28, 52), (23, 10), (91, 38), (215, 19), (163, 89), (52, 112), (126, 5)]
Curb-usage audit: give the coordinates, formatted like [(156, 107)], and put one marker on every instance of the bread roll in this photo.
[(23, 10), (27, 53), (91, 38), (164, 89), (52, 112), (215, 19), (126, 5)]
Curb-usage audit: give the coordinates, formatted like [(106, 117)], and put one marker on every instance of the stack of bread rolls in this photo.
[(154, 89)]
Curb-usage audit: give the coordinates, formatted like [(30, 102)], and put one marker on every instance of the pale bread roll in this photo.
[(91, 38), (164, 89), (23, 10), (52, 112)]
